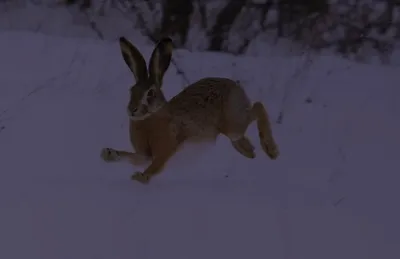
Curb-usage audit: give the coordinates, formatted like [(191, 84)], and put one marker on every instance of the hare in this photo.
[(202, 111)]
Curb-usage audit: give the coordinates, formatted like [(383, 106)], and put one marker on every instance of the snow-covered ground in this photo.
[(333, 193)]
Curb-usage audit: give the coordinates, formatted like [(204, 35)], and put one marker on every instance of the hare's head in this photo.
[(146, 96)]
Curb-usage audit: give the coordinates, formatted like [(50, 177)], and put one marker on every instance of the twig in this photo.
[(339, 201), (288, 86), (94, 26)]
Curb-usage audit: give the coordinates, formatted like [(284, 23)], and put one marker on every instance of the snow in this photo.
[(332, 194)]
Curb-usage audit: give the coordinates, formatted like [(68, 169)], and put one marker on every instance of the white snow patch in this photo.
[(332, 194)]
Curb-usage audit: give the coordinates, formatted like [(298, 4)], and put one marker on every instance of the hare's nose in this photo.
[(131, 112), (145, 109)]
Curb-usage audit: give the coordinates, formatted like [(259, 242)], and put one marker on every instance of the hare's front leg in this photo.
[(113, 155), (154, 168)]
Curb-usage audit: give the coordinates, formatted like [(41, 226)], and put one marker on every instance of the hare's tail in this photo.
[(264, 130)]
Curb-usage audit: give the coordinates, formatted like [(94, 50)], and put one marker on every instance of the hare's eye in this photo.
[(151, 93), (134, 110)]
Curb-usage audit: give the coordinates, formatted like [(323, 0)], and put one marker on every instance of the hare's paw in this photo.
[(244, 147), (110, 155), (270, 148), (140, 177)]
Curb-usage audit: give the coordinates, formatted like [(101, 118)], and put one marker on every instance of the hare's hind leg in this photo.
[(244, 146), (237, 117), (113, 155), (264, 130)]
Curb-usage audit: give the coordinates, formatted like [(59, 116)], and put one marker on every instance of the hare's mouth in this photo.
[(155, 108), (139, 117), (146, 111)]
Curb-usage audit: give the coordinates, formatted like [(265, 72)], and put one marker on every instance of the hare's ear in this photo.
[(133, 59), (160, 60)]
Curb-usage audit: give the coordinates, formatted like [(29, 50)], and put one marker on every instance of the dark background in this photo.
[(354, 29), (345, 27)]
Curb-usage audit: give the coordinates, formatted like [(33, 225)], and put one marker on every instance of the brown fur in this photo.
[(202, 111)]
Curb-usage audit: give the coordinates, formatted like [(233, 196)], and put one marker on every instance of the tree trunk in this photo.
[(224, 23), (176, 18)]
